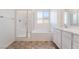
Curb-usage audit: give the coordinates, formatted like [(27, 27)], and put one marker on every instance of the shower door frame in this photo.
[(26, 37)]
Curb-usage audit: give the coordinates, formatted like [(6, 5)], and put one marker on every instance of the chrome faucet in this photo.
[(65, 26)]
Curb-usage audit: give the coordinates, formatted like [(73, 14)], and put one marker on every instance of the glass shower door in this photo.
[(21, 23)]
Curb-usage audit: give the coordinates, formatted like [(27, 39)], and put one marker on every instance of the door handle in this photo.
[(19, 20), (1, 16)]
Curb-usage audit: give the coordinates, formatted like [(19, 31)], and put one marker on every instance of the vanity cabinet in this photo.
[(66, 40), (75, 41), (57, 37)]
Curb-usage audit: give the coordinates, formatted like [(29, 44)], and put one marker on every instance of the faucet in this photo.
[(65, 26)]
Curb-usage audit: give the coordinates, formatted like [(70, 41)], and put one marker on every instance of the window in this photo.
[(42, 17), (45, 14), (40, 14), (39, 17), (42, 21)]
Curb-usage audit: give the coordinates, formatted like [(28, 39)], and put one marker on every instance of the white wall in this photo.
[(53, 19), (56, 18), (60, 17), (7, 27)]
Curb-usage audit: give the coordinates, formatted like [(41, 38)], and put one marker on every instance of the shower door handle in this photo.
[(20, 20)]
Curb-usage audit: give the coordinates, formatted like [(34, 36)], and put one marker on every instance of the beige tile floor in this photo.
[(32, 45)]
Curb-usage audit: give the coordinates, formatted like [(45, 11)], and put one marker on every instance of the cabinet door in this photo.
[(57, 38), (66, 40), (76, 41)]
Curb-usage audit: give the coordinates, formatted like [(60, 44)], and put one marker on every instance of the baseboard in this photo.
[(55, 45), (20, 39), (6, 46)]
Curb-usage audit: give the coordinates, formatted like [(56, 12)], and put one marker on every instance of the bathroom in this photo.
[(39, 28)]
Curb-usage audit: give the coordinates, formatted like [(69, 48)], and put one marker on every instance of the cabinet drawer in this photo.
[(66, 43), (75, 45), (66, 35), (66, 40), (76, 38), (64, 46)]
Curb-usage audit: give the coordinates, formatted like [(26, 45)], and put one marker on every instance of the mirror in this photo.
[(71, 17)]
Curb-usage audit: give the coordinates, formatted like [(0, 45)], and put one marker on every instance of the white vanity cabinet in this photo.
[(66, 40), (75, 41), (57, 37)]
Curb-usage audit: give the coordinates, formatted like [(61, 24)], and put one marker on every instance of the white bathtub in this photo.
[(40, 35)]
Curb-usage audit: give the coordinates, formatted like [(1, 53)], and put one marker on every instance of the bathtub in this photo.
[(40, 35)]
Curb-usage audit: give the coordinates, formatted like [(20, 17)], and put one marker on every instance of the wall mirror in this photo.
[(71, 17)]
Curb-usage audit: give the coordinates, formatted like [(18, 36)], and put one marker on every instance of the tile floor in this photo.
[(32, 45)]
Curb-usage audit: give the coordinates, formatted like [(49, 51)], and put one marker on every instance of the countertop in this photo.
[(74, 30)]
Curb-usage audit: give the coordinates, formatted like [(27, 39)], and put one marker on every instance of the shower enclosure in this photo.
[(35, 23), (21, 23)]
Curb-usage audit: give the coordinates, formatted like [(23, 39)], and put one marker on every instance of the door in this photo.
[(75, 41), (21, 23), (66, 40), (57, 37)]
